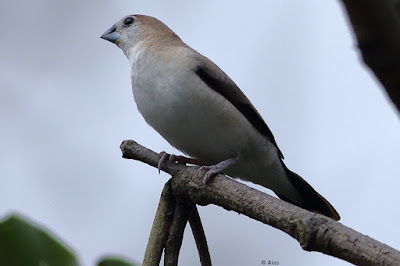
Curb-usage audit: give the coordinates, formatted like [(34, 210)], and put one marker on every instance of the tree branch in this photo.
[(175, 236), (376, 25), (199, 237), (159, 231), (314, 232)]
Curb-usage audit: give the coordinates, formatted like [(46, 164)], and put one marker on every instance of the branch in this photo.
[(175, 236), (313, 231), (159, 231), (376, 25), (199, 237)]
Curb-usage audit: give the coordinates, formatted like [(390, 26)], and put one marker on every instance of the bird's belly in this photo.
[(199, 122)]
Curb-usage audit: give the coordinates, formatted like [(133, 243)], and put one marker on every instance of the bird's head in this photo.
[(132, 30)]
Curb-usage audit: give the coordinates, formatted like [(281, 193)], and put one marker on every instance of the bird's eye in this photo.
[(128, 21)]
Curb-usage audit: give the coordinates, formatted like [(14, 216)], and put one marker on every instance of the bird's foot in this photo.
[(176, 159), (213, 170), (163, 157)]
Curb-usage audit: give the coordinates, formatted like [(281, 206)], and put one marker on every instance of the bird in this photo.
[(199, 110)]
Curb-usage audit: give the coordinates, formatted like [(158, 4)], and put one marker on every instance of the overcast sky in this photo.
[(66, 104)]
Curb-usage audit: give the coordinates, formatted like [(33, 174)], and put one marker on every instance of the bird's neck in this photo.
[(153, 50)]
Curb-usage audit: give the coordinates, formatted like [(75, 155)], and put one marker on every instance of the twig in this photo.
[(161, 225), (199, 237), (175, 236), (314, 232)]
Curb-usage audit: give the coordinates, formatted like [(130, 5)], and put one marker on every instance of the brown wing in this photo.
[(217, 80)]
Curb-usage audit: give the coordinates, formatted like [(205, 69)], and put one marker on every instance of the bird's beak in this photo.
[(111, 34)]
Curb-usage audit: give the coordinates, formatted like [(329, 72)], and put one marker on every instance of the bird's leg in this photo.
[(176, 158), (218, 168), (184, 160)]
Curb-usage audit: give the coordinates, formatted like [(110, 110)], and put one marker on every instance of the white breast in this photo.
[(187, 113), (199, 121)]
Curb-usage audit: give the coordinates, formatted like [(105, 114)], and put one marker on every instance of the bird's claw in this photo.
[(163, 157), (213, 170), (176, 159)]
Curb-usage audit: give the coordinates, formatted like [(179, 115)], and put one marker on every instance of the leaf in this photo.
[(115, 261), (22, 243)]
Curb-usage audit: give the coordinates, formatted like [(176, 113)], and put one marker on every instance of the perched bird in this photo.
[(200, 111)]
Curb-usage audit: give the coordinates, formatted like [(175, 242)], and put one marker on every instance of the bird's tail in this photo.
[(311, 199)]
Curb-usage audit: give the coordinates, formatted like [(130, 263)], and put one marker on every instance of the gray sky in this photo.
[(66, 104)]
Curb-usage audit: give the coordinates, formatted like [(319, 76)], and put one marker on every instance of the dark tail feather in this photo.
[(312, 200)]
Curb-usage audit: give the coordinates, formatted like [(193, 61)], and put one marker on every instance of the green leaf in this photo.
[(22, 243), (115, 261)]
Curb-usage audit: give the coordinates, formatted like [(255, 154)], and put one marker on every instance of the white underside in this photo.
[(202, 123)]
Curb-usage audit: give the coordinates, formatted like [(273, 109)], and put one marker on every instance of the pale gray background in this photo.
[(66, 104)]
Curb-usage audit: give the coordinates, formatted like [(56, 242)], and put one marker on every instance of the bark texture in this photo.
[(376, 26), (313, 231)]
